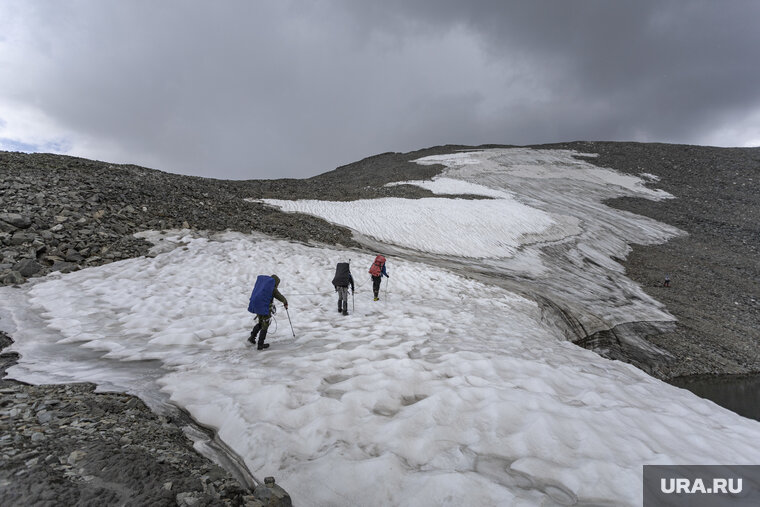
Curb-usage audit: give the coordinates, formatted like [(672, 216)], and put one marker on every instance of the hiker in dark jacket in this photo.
[(262, 325), (377, 270), (341, 281)]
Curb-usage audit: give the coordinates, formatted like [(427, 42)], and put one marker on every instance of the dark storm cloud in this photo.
[(273, 89), (619, 70)]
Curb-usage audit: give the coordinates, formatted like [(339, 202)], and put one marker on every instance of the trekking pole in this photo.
[(387, 283), (291, 322), (353, 304)]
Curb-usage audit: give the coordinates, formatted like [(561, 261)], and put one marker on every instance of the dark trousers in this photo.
[(376, 284), (342, 299), (261, 328)]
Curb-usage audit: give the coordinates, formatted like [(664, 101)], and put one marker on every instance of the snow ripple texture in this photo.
[(447, 391)]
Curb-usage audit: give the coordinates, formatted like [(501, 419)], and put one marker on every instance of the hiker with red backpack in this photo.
[(262, 304), (377, 270)]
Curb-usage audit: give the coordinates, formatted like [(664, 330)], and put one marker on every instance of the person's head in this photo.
[(276, 280)]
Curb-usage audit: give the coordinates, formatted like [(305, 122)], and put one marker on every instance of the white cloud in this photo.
[(24, 124), (740, 130)]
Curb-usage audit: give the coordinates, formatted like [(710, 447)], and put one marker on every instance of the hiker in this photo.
[(667, 281), (262, 304), (377, 270), (341, 280)]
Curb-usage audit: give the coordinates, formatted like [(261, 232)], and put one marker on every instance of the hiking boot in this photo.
[(376, 299), (263, 346), (345, 312), (252, 339), (262, 337)]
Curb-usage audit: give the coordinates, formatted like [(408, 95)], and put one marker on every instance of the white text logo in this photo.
[(677, 486)]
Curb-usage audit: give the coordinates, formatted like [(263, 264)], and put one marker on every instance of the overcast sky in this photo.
[(270, 89)]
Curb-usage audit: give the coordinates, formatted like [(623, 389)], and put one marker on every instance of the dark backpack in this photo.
[(261, 296), (342, 275), (377, 267)]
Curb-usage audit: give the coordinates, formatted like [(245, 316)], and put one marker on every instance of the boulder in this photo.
[(272, 494), (20, 238), (73, 256), (16, 220), (27, 267), (6, 227), (64, 267), (12, 278)]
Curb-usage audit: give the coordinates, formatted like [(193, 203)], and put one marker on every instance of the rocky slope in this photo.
[(715, 270), (66, 445)]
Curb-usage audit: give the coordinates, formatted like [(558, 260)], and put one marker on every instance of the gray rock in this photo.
[(272, 494), (6, 227), (64, 267), (251, 501), (27, 267), (19, 238), (44, 417), (16, 220), (187, 499), (75, 456), (12, 278), (73, 256)]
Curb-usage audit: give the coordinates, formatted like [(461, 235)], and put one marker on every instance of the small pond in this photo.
[(739, 393)]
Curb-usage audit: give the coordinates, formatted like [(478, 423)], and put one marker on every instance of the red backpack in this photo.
[(377, 267)]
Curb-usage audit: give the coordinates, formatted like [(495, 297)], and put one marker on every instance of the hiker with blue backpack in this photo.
[(262, 304), (377, 271)]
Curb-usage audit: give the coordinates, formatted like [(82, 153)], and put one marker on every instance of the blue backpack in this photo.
[(261, 297)]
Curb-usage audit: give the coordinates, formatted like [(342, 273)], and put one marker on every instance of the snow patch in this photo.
[(459, 227), (446, 391)]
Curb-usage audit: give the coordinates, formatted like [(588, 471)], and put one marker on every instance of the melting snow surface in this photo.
[(451, 186), (445, 392), (483, 228), (544, 222), (460, 227)]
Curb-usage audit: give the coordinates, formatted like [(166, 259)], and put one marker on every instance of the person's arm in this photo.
[(383, 272), (278, 296)]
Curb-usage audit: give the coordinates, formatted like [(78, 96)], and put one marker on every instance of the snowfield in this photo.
[(466, 228), (544, 223), (447, 391)]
